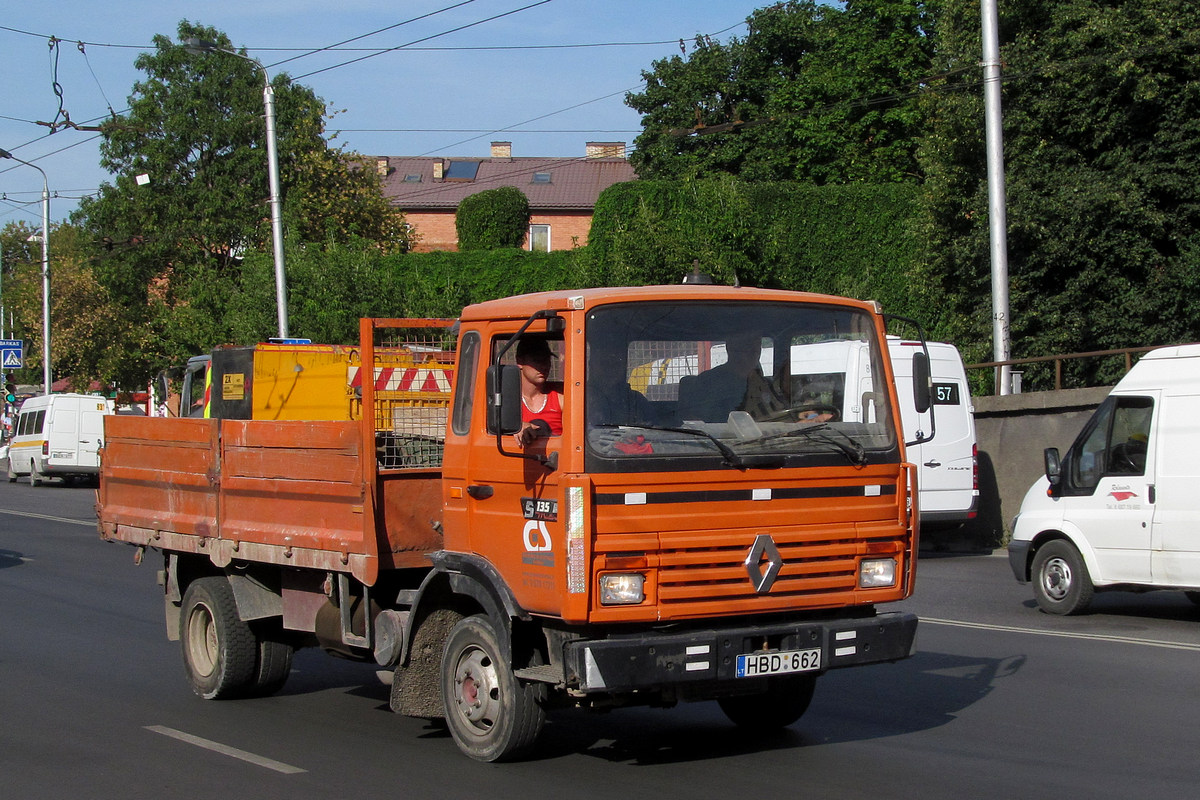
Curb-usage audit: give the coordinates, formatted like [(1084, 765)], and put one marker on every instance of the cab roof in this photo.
[(522, 306)]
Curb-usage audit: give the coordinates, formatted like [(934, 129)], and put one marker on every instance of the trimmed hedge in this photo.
[(492, 219), (856, 240)]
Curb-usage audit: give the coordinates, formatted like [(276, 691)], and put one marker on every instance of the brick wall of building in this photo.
[(436, 231)]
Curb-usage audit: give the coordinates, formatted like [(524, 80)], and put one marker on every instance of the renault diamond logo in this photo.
[(764, 547)]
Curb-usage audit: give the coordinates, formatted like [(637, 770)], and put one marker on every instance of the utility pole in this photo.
[(997, 211)]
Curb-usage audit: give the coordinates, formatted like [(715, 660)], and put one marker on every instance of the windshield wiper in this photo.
[(821, 431), (762, 460)]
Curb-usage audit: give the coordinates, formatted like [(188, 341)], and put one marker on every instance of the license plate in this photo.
[(755, 665)]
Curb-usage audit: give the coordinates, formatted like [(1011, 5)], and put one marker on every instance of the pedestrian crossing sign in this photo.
[(12, 353)]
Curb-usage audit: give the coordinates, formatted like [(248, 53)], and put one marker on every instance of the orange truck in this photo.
[(655, 551)]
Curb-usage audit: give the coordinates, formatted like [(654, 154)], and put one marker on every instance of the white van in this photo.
[(58, 436), (948, 465), (1120, 510)]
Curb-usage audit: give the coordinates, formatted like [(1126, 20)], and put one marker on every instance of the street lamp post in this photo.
[(45, 268), (199, 46)]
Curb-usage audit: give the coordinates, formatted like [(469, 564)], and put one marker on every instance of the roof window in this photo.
[(462, 170), (541, 177), (413, 178)]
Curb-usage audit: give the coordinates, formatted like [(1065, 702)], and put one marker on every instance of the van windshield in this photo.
[(729, 384)]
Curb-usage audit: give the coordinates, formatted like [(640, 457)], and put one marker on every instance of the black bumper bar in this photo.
[(646, 661)]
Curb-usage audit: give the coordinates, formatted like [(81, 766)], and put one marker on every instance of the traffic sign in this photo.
[(12, 353)]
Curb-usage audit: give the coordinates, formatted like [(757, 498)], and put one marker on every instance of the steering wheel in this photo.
[(1128, 457), (798, 413)]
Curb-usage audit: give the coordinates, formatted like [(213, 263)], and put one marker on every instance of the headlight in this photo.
[(876, 572), (622, 589)]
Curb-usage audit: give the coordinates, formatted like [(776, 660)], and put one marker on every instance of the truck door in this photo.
[(514, 503), (1176, 504), (1113, 456)]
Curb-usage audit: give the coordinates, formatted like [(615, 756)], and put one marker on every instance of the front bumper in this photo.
[(649, 661), (1018, 559)]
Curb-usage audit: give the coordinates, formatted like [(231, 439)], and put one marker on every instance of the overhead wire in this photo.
[(375, 32), (424, 39)]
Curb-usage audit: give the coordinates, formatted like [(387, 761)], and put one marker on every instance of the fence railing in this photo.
[(1127, 352)]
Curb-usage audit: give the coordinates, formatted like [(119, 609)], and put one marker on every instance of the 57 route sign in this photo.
[(12, 353)]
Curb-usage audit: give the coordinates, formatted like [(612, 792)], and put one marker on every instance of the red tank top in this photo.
[(550, 413)]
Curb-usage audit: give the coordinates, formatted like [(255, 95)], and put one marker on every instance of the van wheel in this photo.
[(1061, 582), (35, 477), (784, 702), (491, 715), (12, 476), (220, 652)]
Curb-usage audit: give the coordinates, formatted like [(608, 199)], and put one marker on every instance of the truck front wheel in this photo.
[(220, 652), (491, 715), (785, 701), (1061, 583)]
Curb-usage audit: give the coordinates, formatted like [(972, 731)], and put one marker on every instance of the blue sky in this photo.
[(416, 100)]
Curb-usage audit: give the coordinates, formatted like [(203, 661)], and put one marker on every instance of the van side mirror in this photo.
[(922, 383), (1053, 466), (503, 398), (161, 388)]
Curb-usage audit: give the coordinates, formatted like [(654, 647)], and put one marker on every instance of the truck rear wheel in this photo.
[(491, 715), (220, 652), (785, 701), (273, 665), (1061, 583), (12, 476), (35, 477)]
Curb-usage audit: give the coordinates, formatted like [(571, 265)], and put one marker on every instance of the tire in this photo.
[(35, 477), (272, 667), (1061, 583), (1194, 596), (220, 652), (491, 715), (12, 476), (785, 701)]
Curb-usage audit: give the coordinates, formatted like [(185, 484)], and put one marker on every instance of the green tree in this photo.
[(492, 219), (1102, 147), (814, 93), (171, 239), (87, 329)]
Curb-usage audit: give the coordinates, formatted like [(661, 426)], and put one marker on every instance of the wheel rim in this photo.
[(1056, 578), (203, 646), (477, 690)]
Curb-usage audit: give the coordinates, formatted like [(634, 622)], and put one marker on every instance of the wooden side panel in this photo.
[(159, 474), (294, 484)]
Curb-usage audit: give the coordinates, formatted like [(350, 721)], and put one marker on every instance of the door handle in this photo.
[(480, 492), (933, 463), (1151, 495)]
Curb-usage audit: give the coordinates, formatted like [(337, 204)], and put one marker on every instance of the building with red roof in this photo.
[(562, 192)]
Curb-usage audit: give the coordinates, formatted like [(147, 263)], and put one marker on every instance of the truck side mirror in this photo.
[(504, 398), (1053, 466), (922, 384)]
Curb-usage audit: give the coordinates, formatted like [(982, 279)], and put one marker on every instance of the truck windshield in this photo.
[(713, 385)]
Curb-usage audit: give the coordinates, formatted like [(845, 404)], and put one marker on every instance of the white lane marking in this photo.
[(217, 747), (89, 523), (1096, 637)]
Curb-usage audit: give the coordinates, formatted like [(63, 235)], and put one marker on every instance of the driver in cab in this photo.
[(736, 385)]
